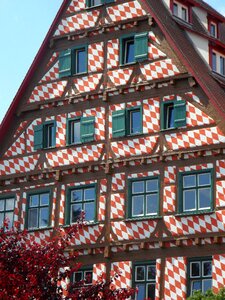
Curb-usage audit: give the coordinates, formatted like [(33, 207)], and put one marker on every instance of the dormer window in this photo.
[(213, 29), (181, 11), (218, 62)]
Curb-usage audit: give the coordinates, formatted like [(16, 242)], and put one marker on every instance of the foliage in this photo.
[(209, 295)]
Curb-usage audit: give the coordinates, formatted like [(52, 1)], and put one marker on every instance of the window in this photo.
[(82, 198), (196, 191), (73, 61), (143, 197), (180, 11), (214, 62), (222, 65), (200, 275), (133, 48), (127, 122), (83, 275), (7, 205), (184, 13), (80, 130), (92, 3), (173, 114), (213, 29), (38, 210), (45, 135), (144, 278), (218, 63), (175, 9)]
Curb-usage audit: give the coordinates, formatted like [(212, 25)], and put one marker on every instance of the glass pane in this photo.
[(138, 187), (152, 185), (76, 210), (137, 205), (34, 200), (206, 285), (2, 205), (43, 218), (195, 269), (129, 51), (175, 9), (189, 181), (1, 219), (196, 286), (151, 272), (140, 273), (204, 198), (212, 29), (207, 268), (49, 129), (33, 218), (89, 194), (44, 199), (184, 14), (150, 291), (81, 61), (88, 277), (97, 2), (75, 132), (222, 65), (9, 204), (204, 179), (76, 195), (214, 63), (9, 217), (189, 198), (141, 292), (89, 209), (78, 276), (152, 204), (170, 116), (135, 121)]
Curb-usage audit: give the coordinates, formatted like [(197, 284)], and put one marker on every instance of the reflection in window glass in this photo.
[(38, 210)]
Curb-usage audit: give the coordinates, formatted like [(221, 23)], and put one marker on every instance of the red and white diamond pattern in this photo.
[(153, 37), (118, 182), (87, 235), (133, 104), (99, 272), (133, 230), (101, 208), (194, 97), (220, 168), (218, 272), (170, 175), (18, 147), (47, 91), (95, 57), (88, 83), (30, 135), (52, 59), (18, 165), (120, 77), (159, 69), (123, 269), (175, 279), (220, 193), (61, 130), (151, 115), (169, 199), (154, 53), (195, 117), (71, 157), (53, 208), (62, 205), (41, 238), (125, 11), (196, 167), (21, 128), (144, 174), (99, 114), (134, 147), (195, 138), (157, 278), (75, 6), (52, 74), (113, 54), (77, 22), (117, 206)]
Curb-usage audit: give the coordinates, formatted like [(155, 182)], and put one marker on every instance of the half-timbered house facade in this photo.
[(122, 116)]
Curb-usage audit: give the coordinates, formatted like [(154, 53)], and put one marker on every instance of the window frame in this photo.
[(145, 193), (69, 202), (177, 104), (128, 122), (70, 121), (38, 192), (83, 270), (180, 8), (196, 189), (74, 58), (90, 5), (217, 62), (40, 135), (7, 197)]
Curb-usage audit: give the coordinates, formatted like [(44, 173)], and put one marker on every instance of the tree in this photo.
[(32, 271), (209, 295)]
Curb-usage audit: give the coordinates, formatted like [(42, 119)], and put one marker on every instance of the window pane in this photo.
[(138, 187), (75, 132), (34, 200), (135, 121), (137, 205), (129, 51), (184, 14), (214, 63), (206, 285), (204, 198), (140, 273), (196, 286), (88, 277), (89, 209), (189, 198), (96, 2), (151, 272), (2, 205), (141, 292), (33, 218), (207, 268), (170, 116), (189, 181), (175, 9), (152, 185), (76, 195), (43, 218), (150, 291), (9, 204), (78, 276), (195, 269), (49, 135), (44, 199), (75, 212), (204, 179), (222, 65), (152, 204), (213, 30), (9, 217), (81, 61), (89, 194), (1, 219)]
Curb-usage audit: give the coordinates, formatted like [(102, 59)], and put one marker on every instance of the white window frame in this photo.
[(219, 56), (180, 9)]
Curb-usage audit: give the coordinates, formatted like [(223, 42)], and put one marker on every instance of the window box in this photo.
[(80, 130), (172, 114), (45, 135), (7, 205)]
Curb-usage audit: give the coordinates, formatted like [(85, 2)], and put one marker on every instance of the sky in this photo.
[(23, 27)]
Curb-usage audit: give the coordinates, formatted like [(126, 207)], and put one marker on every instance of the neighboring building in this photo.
[(122, 115)]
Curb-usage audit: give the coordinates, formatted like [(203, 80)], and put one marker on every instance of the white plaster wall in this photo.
[(201, 44), (202, 14), (167, 2)]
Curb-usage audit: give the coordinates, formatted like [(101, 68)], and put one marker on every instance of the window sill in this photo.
[(39, 229), (145, 218), (94, 6), (195, 213), (86, 223)]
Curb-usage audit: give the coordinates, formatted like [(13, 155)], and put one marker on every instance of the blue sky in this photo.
[(23, 26)]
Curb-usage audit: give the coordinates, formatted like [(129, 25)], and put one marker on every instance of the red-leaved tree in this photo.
[(32, 271)]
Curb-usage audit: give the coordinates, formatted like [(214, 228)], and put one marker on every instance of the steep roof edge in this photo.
[(178, 39), (8, 118), (209, 9)]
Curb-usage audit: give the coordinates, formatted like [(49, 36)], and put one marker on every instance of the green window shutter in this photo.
[(109, 1), (141, 46), (87, 129), (65, 63), (119, 123), (38, 137), (162, 116), (180, 113), (87, 3)]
